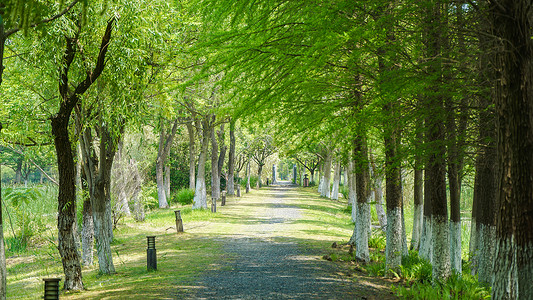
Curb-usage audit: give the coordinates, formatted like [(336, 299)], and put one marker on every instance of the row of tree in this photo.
[(439, 86)]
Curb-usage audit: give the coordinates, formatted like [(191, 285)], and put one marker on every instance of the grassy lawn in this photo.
[(181, 258)]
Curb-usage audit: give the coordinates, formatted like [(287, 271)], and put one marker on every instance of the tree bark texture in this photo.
[(336, 181), (192, 155), (417, 208), (215, 178), (222, 152), (326, 192), (512, 22), (362, 178), (482, 235), (352, 199), (165, 141), (230, 185), (200, 194)]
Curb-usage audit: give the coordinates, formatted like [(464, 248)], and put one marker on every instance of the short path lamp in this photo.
[(151, 258), (51, 288)]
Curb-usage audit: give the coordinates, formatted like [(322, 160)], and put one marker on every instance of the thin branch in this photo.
[(61, 13)]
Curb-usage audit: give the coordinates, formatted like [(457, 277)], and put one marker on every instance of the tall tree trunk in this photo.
[(395, 227), (320, 178), (66, 221), (378, 196), (418, 195), (200, 194), (259, 174), (485, 191), (512, 22), (435, 169), (336, 181), (215, 177), (167, 178), (222, 154), (66, 203), (192, 155), (165, 141), (455, 191), (87, 229), (325, 191), (362, 178), (483, 227), (230, 185), (352, 199), (248, 176), (101, 201)]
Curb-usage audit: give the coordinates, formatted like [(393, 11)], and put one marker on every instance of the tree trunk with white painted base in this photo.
[(215, 179), (231, 161), (325, 191), (362, 224), (336, 181), (417, 210), (512, 23), (352, 199), (200, 194)]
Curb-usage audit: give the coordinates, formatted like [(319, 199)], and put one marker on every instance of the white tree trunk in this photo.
[(336, 182), (426, 247), (192, 156), (505, 273), (378, 197), (248, 176), (103, 243), (326, 192), (473, 246), (455, 247), (417, 226), (441, 244), (200, 194), (161, 190), (87, 234), (352, 196), (362, 231), (485, 253), (167, 182), (393, 250)]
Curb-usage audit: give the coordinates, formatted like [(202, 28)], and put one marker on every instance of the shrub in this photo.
[(377, 240), (253, 182), (149, 196), (183, 196)]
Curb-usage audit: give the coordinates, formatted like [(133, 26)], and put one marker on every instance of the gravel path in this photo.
[(265, 266)]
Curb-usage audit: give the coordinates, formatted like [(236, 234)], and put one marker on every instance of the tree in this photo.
[(165, 141), (231, 160), (66, 166), (262, 147), (511, 22)]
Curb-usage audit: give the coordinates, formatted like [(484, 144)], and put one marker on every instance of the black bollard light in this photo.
[(179, 222), (51, 288), (151, 258), (223, 202), (213, 205)]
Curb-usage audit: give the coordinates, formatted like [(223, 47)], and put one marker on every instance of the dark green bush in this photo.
[(183, 196)]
